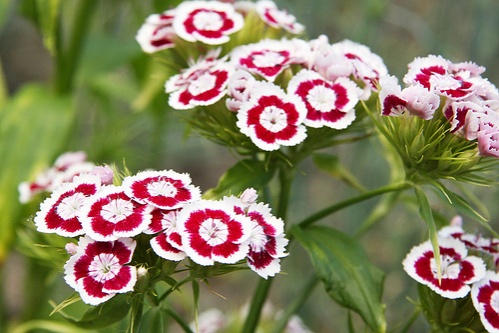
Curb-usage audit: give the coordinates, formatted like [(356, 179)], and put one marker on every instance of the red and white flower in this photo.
[(457, 271), (168, 243), (276, 18), (164, 189), (210, 22), (269, 58), (239, 87), (212, 232), (97, 271), (157, 32), (111, 214), (272, 118), (485, 296), (439, 75), (267, 241), (204, 83), (59, 213), (328, 103), (415, 99)]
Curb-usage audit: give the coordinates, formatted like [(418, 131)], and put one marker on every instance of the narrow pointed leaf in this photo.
[(349, 277)]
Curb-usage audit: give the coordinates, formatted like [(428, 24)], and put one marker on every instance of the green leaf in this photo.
[(103, 315), (331, 165), (427, 216), (152, 321), (348, 276), (33, 127), (48, 16), (243, 175)]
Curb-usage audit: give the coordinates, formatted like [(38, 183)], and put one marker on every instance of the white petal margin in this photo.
[(485, 296)]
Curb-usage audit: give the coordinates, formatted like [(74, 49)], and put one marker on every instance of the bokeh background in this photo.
[(122, 115)]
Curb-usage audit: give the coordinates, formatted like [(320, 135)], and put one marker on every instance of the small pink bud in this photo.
[(105, 173), (249, 196), (457, 221), (71, 248)]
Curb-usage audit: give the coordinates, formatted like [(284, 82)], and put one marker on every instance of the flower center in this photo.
[(117, 210), (449, 266), (169, 222), (208, 21), (69, 207), (268, 59), (258, 239), (201, 84), (105, 266), (321, 98), (162, 188), (273, 119), (214, 231)]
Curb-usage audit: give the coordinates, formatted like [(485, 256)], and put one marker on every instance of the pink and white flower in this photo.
[(157, 32), (272, 118), (485, 296), (168, 243), (204, 83), (97, 271), (415, 99), (276, 18), (212, 232), (210, 22), (111, 214), (164, 189), (239, 87), (328, 103), (60, 212), (457, 271), (269, 58)]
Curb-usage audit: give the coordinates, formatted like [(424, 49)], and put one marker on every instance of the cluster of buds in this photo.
[(166, 209), (460, 273), (275, 87), (455, 110)]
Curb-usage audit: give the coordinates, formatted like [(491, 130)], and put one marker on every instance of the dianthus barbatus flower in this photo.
[(328, 103), (277, 18), (157, 33), (485, 296), (167, 243), (60, 212), (272, 118), (164, 189), (269, 58), (210, 22), (111, 214), (97, 271), (458, 270), (212, 232), (204, 83)]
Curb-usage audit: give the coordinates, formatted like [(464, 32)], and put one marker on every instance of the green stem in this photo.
[(179, 320), (400, 186), (286, 175), (257, 303), (67, 59), (305, 292)]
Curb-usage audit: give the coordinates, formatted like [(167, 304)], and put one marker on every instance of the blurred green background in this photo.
[(120, 113)]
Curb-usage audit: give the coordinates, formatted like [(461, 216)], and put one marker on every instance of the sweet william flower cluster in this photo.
[(165, 206)]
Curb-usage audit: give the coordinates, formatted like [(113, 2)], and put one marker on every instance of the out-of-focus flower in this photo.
[(272, 118), (457, 271), (97, 271), (60, 212), (204, 83), (212, 232), (164, 189), (328, 103), (239, 88), (277, 18), (210, 22), (111, 214), (210, 321), (104, 172), (269, 58), (485, 295), (157, 32)]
